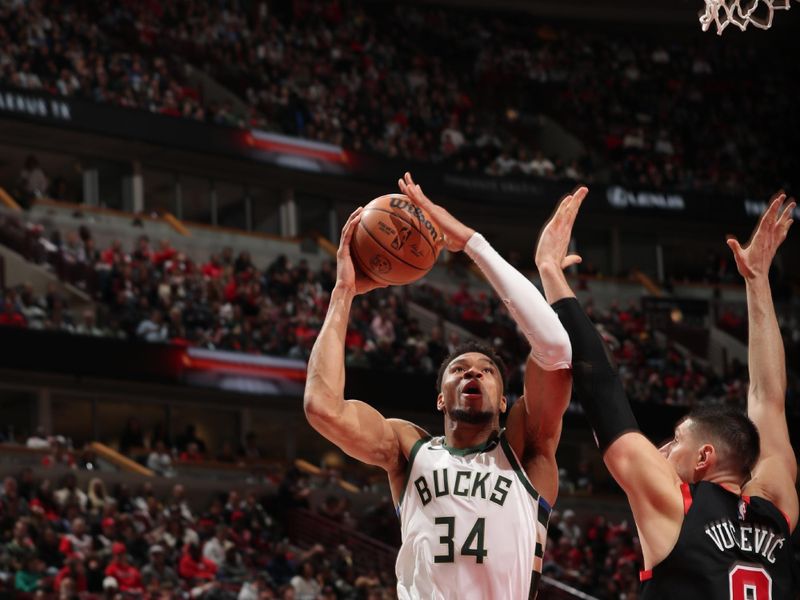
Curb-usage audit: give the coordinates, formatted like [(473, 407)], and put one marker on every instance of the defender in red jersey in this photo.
[(714, 507)]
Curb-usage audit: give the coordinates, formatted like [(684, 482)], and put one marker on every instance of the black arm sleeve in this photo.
[(595, 383)]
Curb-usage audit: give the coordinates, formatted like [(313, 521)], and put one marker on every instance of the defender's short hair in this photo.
[(472, 346), (732, 431)]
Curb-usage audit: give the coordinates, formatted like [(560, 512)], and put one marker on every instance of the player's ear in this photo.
[(504, 403), (440, 402), (706, 454)]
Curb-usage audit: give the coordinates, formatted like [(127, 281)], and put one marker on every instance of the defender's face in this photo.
[(472, 383), (682, 451)]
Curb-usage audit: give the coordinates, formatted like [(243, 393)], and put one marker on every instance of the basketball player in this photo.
[(473, 503), (714, 514)]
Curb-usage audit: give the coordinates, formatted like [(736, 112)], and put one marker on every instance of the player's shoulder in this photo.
[(772, 485), (408, 434)]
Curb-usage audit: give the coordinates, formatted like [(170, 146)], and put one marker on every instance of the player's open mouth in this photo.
[(472, 390)]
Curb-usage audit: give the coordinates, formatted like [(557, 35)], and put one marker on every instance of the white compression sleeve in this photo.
[(550, 346)]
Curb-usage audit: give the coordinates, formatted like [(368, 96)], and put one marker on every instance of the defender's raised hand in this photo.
[(553, 244), (347, 274), (456, 234), (753, 260)]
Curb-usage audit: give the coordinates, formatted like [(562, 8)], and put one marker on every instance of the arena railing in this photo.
[(306, 528), (552, 589)]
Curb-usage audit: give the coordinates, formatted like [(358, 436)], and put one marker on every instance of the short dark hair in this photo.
[(731, 429), (472, 346)]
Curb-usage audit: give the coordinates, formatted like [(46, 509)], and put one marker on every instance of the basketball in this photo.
[(396, 242)]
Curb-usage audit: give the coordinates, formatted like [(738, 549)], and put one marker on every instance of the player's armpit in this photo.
[(774, 479), (653, 490)]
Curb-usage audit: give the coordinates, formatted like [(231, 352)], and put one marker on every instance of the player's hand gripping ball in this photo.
[(396, 242)]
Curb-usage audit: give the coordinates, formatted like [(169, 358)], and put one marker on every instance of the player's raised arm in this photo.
[(539, 324), (534, 425), (650, 482), (357, 428), (776, 469)]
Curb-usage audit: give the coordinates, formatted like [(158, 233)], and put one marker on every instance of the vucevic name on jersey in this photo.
[(729, 548), (753, 538), (473, 526)]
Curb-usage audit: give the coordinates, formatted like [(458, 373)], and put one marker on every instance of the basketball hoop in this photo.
[(741, 13)]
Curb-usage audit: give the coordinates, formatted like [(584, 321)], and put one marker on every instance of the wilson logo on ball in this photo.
[(395, 242), (414, 210)]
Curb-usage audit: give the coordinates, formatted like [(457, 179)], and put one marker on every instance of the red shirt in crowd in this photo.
[(78, 578), (211, 270), (71, 543), (128, 577), (202, 568), (13, 319)]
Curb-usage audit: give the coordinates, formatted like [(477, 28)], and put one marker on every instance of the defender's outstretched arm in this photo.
[(649, 481), (776, 470)]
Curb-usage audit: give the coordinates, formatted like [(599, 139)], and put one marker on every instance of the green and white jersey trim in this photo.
[(473, 525)]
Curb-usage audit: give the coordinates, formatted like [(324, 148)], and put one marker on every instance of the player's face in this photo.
[(472, 388), (682, 452)]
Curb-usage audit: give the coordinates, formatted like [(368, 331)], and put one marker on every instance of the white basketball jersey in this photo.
[(473, 526)]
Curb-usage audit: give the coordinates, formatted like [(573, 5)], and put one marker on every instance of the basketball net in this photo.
[(741, 13)]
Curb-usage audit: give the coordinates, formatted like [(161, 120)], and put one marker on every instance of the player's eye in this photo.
[(488, 370), (458, 369)]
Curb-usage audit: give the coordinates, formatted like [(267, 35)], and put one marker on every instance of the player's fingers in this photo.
[(575, 203), (788, 210), (771, 215), (349, 228), (563, 208), (733, 244), (572, 259), (412, 192), (419, 197), (352, 216), (579, 196)]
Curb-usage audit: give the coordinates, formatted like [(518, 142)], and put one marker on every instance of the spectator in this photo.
[(88, 324), (30, 576), (32, 178), (189, 436), (70, 493), (77, 541), (192, 454), (305, 584), (160, 460), (71, 578), (541, 166), (21, 547), (158, 570), (11, 316), (214, 548), (38, 440), (128, 577), (194, 567), (97, 497), (153, 328)]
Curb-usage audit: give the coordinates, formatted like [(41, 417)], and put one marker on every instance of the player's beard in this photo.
[(471, 417)]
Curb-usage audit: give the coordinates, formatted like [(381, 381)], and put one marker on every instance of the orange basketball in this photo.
[(396, 242)]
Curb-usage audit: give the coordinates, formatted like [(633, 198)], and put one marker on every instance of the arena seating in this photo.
[(648, 117), (159, 294)]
